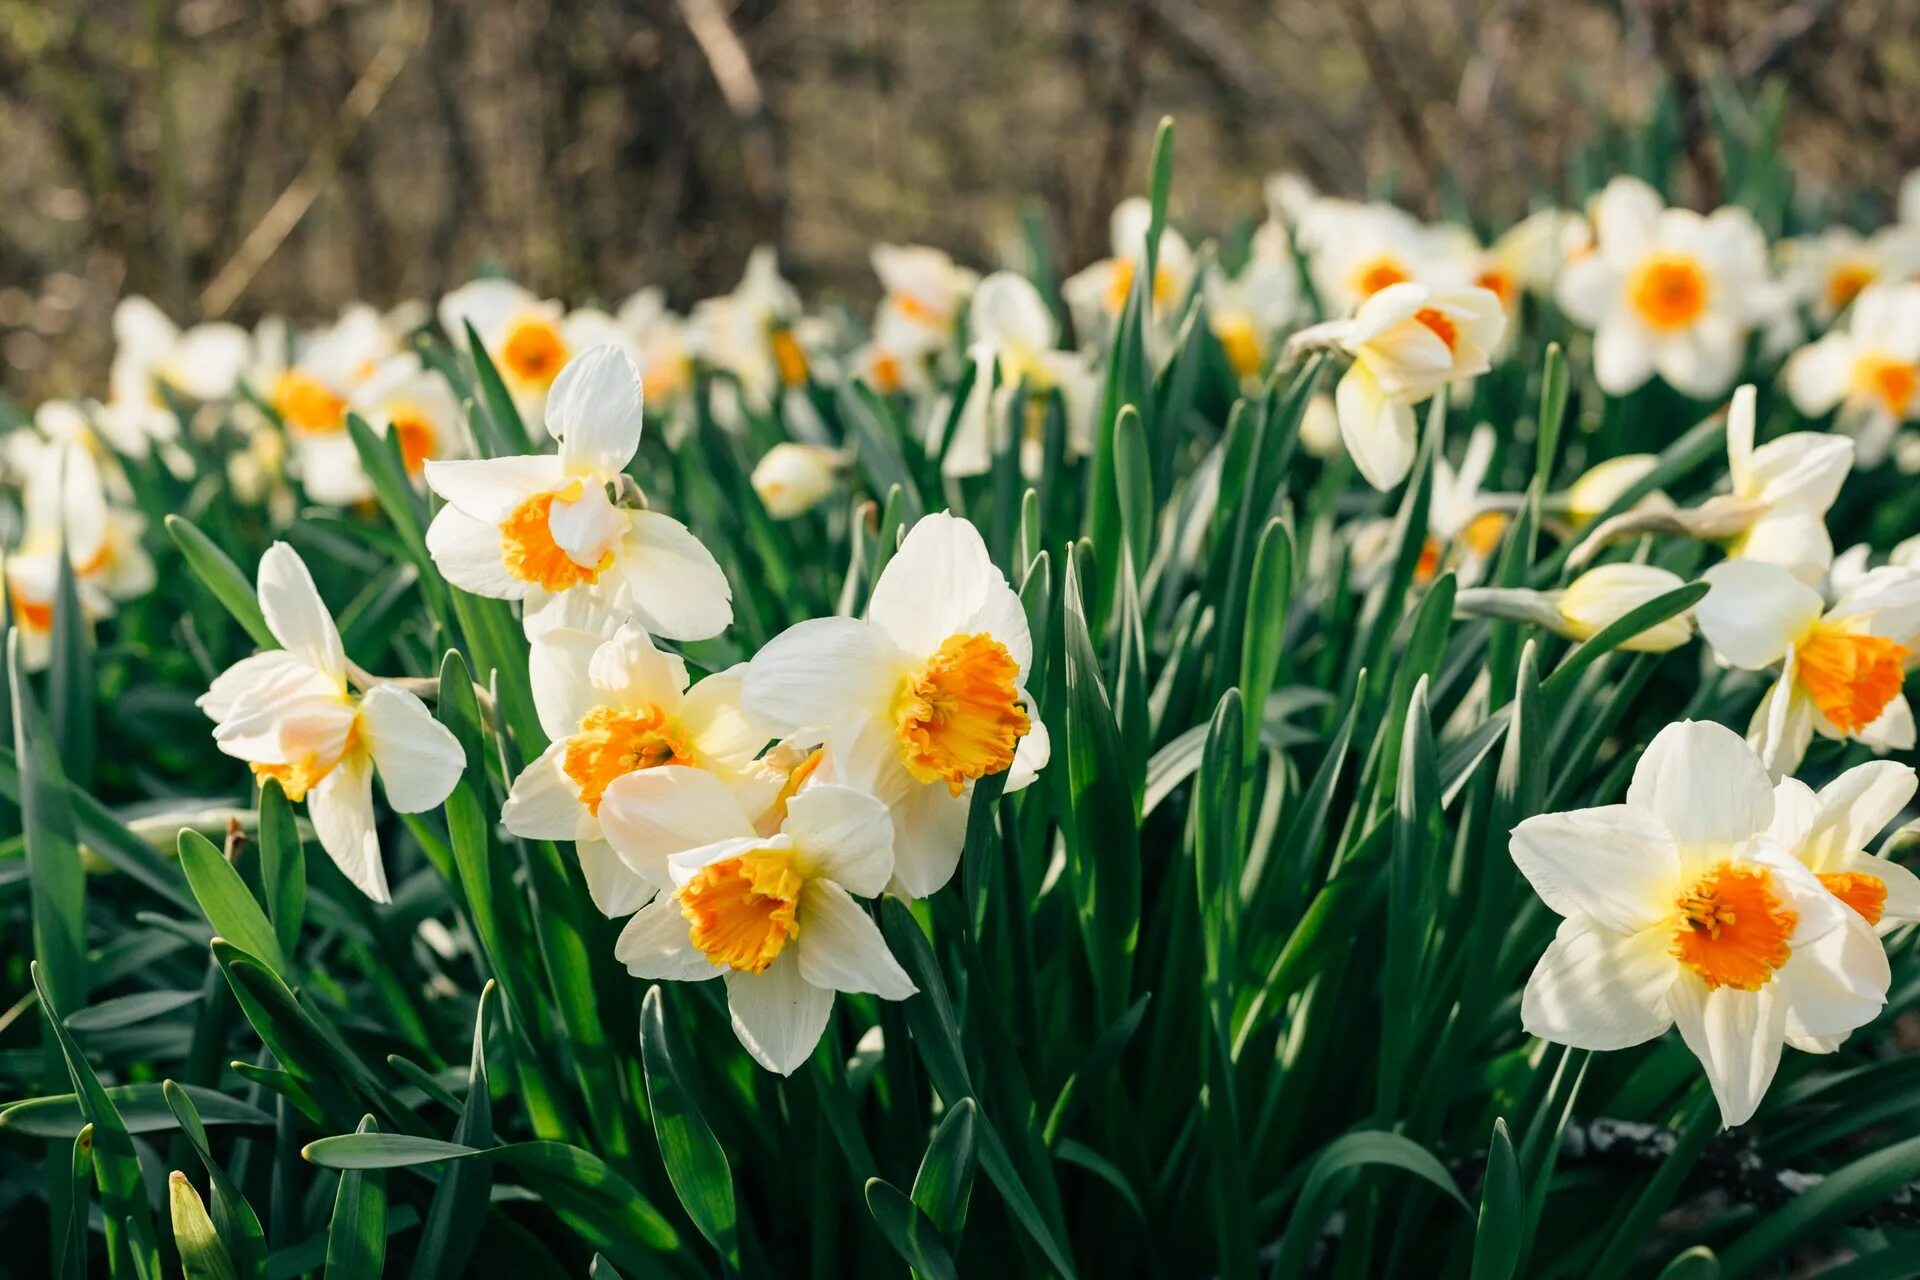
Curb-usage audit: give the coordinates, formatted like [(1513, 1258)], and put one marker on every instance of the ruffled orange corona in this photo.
[(1732, 928), (615, 741), (743, 911), (959, 717), (1851, 677)]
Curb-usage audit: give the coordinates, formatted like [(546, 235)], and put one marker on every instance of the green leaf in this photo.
[(143, 1108), (71, 1258), (222, 577), (1697, 1263), (202, 1256), (696, 1166), (70, 678), (1825, 1206), (371, 1149), (1503, 1207), (1345, 1154), (911, 1232), (283, 866), (447, 1239), (508, 434), (357, 1235), (57, 886), (228, 904), (945, 1181)]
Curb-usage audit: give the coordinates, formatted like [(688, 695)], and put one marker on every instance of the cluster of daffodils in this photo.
[(737, 819), (742, 820)]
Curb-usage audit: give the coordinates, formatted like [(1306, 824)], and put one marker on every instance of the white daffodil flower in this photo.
[(1829, 830), (291, 716), (1593, 601), (404, 398), (610, 708), (1014, 333), (1249, 312), (1679, 907), (1667, 291), (773, 914), (666, 363), (546, 527), (1869, 371), (1407, 341), (1603, 484), (154, 358), (1355, 251), (751, 334), (920, 699), (1777, 512), (1827, 272), (920, 309), (1096, 295), (1841, 668), (529, 339)]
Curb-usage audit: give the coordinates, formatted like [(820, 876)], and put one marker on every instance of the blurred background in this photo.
[(236, 158)]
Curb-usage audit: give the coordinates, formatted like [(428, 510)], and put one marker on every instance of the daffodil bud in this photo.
[(793, 479)]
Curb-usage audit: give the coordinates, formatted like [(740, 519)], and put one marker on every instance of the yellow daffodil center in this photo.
[(1850, 677), (1441, 325), (886, 373), (1428, 565), (1500, 283), (1845, 282), (959, 717), (1732, 928), (917, 311), (776, 815), (1888, 382), (615, 741), (788, 358), (534, 352), (1668, 291), (305, 403), (297, 777), (418, 439), (1866, 894), (743, 911), (1241, 342), (33, 615), (529, 551), (1375, 274), (1120, 284)]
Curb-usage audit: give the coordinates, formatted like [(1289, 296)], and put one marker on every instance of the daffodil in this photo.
[(548, 526), (529, 339), (1407, 341), (1666, 291), (1013, 337), (1250, 311), (924, 294), (1096, 295), (1597, 488), (1593, 601), (793, 479), (666, 361), (291, 715), (919, 700), (1829, 271), (1842, 668), (752, 334), (1355, 251), (775, 915), (1869, 371), (1828, 831), (153, 359), (609, 708), (401, 397), (1777, 511), (1679, 907)]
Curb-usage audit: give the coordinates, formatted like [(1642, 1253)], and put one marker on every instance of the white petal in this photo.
[(1801, 472), (941, 583), (545, 803), (296, 614), (1595, 989), (1705, 784), (778, 1014), (1615, 865), (721, 731), (467, 553), (841, 949), (488, 489), (1892, 729), (1607, 593), (1031, 756), (1836, 984), (843, 835), (1856, 806), (656, 946), (818, 673), (1737, 1036), (558, 662), (1753, 611), (341, 808), (1378, 432), (650, 815), (1782, 725), (1817, 376), (929, 832), (617, 889), (586, 527), (594, 411), (262, 678), (1797, 541), (419, 759), (676, 587), (1622, 355), (632, 671)]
